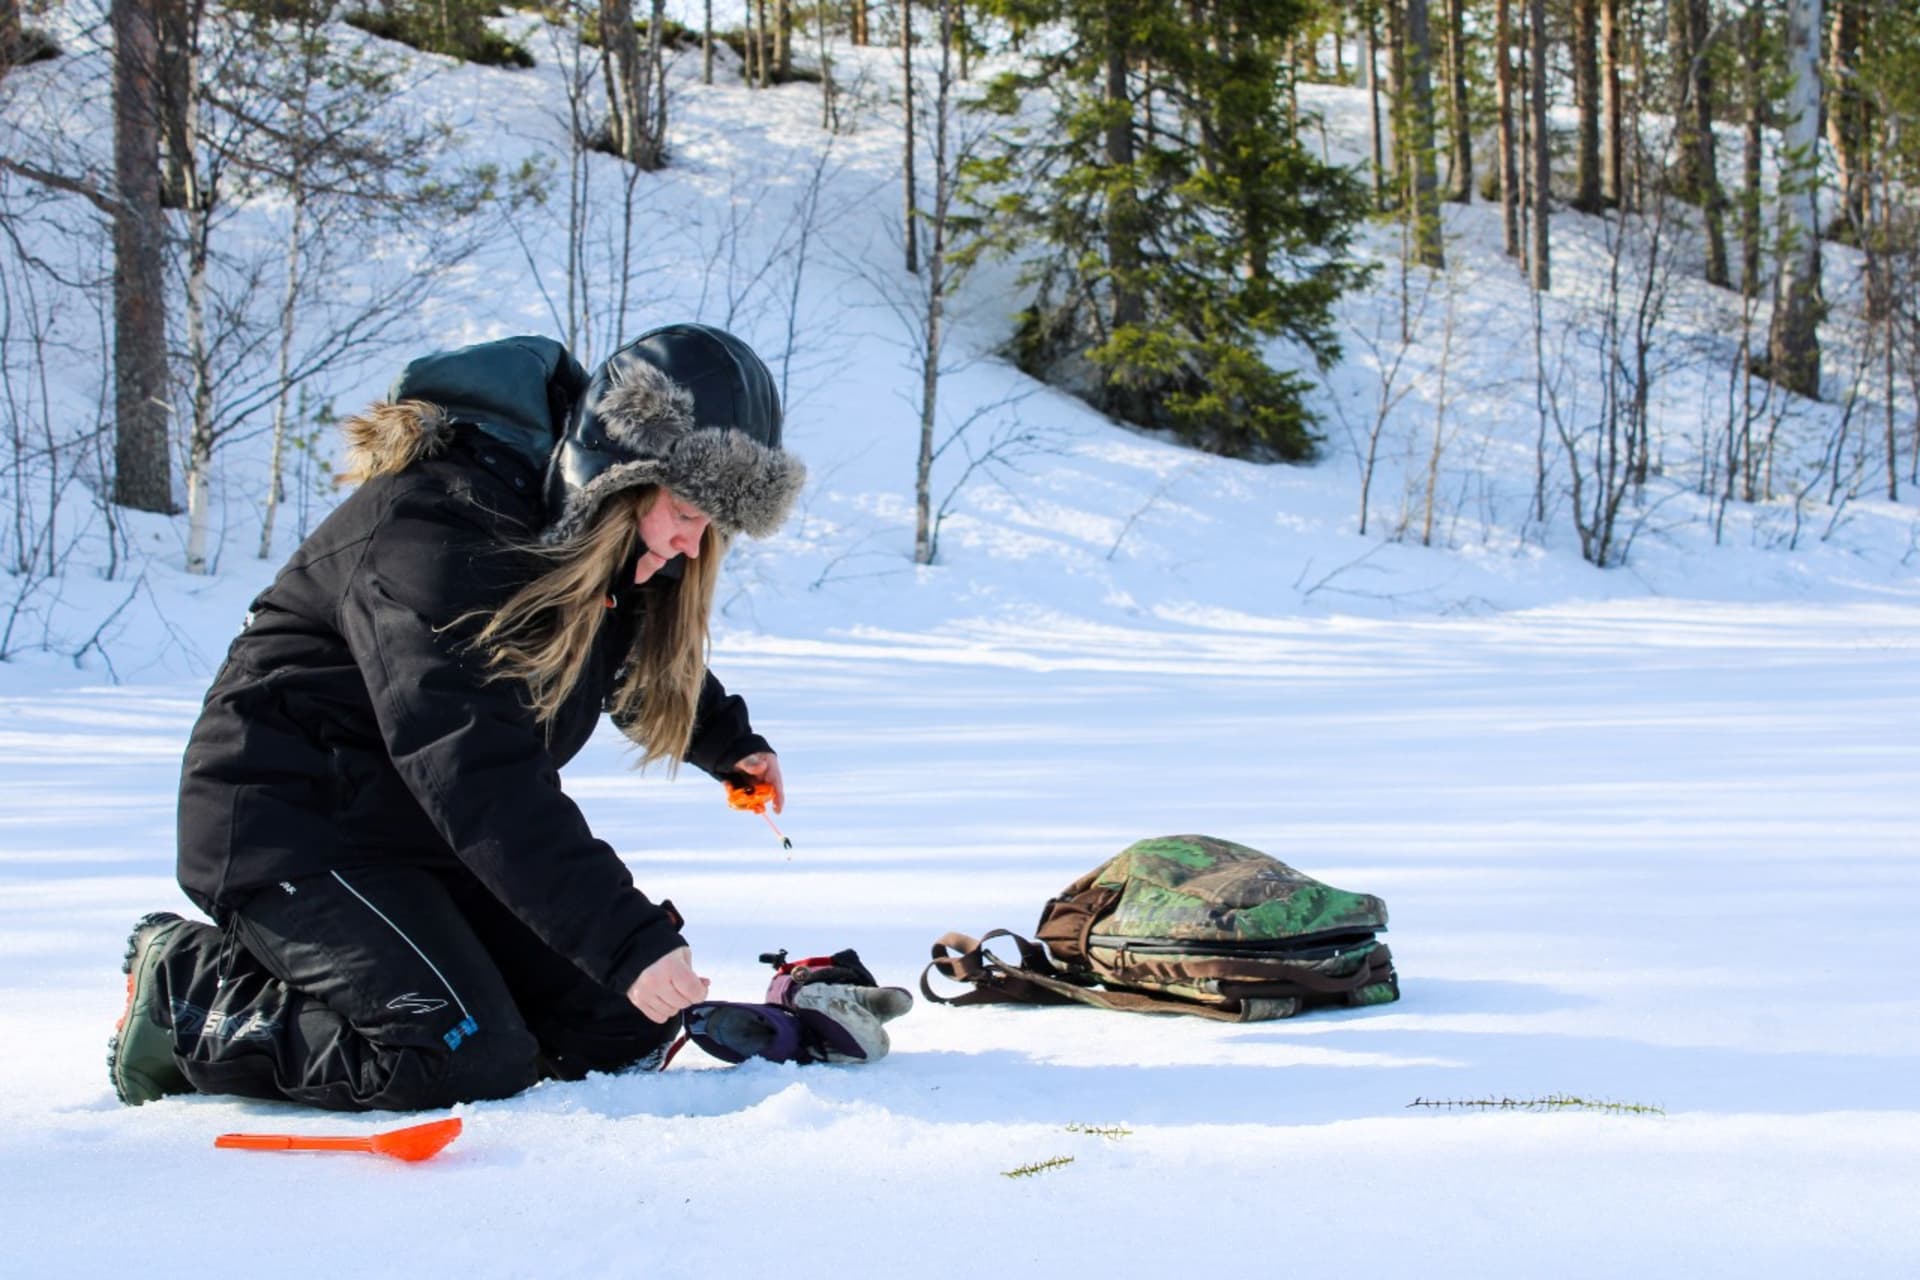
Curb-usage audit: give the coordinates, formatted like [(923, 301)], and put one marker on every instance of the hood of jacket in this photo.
[(516, 391)]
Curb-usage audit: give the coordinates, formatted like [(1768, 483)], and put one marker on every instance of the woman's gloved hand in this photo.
[(667, 986)]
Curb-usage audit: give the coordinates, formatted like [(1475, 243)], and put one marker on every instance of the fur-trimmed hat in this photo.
[(687, 406)]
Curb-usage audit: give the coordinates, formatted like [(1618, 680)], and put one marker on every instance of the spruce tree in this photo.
[(1171, 221)]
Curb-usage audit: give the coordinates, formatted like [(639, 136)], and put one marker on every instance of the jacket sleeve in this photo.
[(722, 733), (469, 748)]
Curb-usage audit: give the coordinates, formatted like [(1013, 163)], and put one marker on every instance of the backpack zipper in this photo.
[(1311, 946)]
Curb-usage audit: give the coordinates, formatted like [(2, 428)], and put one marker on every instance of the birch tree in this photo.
[(1793, 346)]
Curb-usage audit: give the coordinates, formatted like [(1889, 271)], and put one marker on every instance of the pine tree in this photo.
[(1540, 159), (142, 474), (1413, 130), (1691, 94), (1613, 155), (1849, 118), (1459, 108), (1507, 140), (1171, 221), (1586, 96)]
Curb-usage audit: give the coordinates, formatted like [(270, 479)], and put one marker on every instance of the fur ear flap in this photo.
[(739, 482), (390, 435), (643, 409)]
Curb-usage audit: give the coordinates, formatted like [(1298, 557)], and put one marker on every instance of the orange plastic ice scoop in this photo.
[(415, 1142)]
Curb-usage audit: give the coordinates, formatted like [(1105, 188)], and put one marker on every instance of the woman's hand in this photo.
[(764, 768), (667, 986)]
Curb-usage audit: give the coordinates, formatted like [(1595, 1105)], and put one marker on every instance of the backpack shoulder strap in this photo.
[(964, 959), (1035, 981)]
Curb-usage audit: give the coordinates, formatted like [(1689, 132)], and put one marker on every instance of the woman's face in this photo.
[(670, 527)]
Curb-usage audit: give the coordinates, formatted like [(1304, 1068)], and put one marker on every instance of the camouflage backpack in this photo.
[(1186, 924)]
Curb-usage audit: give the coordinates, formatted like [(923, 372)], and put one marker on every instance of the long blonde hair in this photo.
[(544, 632)]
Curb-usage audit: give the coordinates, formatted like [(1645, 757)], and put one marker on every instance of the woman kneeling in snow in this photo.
[(410, 912)]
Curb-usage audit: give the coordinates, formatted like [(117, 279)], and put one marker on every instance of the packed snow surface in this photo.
[(1655, 854), (1647, 834)]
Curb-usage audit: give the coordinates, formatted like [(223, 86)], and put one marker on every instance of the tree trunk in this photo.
[(1586, 98), (1685, 164), (653, 80), (1751, 153), (1370, 16), (175, 74), (620, 59), (1460, 166), (142, 478), (962, 40), (1793, 344), (1696, 172), (1429, 247), (783, 40), (200, 433), (1397, 100), (1613, 158), (10, 34), (1123, 230), (1849, 120), (857, 23), (765, 47), (1540, 273), (906, 95), (828, 114), (935, 332), (706, 46), (1713, 200), (290, 292), (1509, 159)]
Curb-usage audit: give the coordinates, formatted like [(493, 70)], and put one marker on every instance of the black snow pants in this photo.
[(398, 989)]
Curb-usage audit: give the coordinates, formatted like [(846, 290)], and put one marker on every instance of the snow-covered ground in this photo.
[(1651, 853), (1647, 834)]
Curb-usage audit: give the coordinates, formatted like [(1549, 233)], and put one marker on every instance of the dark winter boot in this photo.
[(140, 1056)]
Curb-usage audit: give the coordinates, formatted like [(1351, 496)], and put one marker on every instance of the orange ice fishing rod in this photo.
[(751, 797)]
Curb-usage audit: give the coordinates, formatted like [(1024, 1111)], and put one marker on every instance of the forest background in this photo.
[(1135, 201)]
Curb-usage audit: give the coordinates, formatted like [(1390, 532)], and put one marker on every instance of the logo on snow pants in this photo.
[(413, 1002)]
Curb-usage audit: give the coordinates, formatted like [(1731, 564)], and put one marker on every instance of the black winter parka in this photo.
[(351, 725)]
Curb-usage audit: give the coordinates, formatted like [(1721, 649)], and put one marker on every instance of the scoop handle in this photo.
[(289, 1142)]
